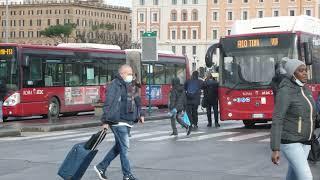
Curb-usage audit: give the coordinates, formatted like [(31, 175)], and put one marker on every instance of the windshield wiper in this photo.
[(234, 87), (253, 84)]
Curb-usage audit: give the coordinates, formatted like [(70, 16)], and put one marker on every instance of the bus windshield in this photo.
[(252, 67), (8, 67)]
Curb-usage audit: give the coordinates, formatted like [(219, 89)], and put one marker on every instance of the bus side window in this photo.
[(54, 73), (72, 74), (159, 74), (33, 73), (90, 74), (181, 73), (170, 73)]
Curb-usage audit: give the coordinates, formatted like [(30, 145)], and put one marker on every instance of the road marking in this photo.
[(208, 136), (144, 135), (37, 136), (66, 136), (109, 135), (246, 136), (265, 140), (165, 137)]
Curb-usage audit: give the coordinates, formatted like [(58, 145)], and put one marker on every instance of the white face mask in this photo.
[(128, 79), (298, 81)]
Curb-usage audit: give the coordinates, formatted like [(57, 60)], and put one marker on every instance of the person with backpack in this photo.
[(210, 95), (193, 88), (177, 105)]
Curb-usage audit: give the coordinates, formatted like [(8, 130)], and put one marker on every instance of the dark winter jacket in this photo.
[(177, 96), (193, 99), (294, 115), (119, 105), (3, 90), (210, 92)]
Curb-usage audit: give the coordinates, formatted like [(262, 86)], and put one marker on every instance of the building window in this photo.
[(155, 2), (194, 34), (214, 34), (245, 1), (184, 50), (229, 13), (184, 34), (228, 32), (57, 21), (215, 2), (173, 16), (308, 12), (276, 13), (141, 2), (260, 14), (30, 23), (291, 13), (141, 34), (173, 34), (229, 1), (174, 2), (215, 16), (194, 50), (184, 16), (245, 15), (141, 17), (184, 1), (49, 22), (260, 1), (195, 2), (173, 48), (155, 17), (195, 15), (276, 1)]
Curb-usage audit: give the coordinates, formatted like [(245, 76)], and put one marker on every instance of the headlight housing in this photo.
[(12, 100)]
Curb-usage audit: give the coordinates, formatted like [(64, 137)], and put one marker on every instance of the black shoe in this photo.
[(174, 134), (100, 173), (217, 124), (129, 177), (209, 125), (189, 129)]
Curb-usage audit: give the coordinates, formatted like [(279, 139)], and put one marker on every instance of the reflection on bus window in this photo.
[(170, 73), (109, 69), (144, 72), (181, 73), (159, 74), (54, 73), (8, 72), (33, 73), (72, 74)]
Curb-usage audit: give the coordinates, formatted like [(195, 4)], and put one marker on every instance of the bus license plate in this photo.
[(257, 116)]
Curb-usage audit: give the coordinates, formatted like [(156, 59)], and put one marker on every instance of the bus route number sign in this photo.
[(6, 51), (253, 43)]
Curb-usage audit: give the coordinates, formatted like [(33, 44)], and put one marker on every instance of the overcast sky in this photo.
[(127, 3)]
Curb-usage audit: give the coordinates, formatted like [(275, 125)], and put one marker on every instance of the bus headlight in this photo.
[(12, 100), (229, 103)]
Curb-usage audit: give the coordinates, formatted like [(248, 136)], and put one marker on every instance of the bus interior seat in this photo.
[(48, 81)]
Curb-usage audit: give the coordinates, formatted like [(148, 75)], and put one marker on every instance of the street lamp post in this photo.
[(7, 21)]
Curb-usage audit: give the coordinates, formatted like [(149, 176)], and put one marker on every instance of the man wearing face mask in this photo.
[(293, 121), (119, 113)]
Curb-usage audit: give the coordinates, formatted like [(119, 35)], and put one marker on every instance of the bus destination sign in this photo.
[(256, 43), (6, 51)]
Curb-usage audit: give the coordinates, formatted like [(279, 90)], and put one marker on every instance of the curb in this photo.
[(9, 132), (61, 127)]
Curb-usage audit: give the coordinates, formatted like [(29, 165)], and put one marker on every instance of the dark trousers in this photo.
[(174, 118), (192, 111), (215, 111)]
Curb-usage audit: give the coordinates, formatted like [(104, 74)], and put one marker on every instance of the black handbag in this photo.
[(95, 140), (314, 154)]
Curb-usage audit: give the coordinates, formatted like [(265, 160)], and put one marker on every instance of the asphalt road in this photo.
[(228, 153)]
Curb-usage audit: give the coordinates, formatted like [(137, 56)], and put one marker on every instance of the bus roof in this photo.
[(291, 24), (90, 45)]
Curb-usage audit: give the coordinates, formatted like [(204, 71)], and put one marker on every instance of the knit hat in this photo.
[(292, 65)]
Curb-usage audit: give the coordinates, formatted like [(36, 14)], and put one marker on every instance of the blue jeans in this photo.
[(297, 154), (121, 147)]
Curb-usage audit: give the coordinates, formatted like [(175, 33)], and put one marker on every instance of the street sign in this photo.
[(149, 46)]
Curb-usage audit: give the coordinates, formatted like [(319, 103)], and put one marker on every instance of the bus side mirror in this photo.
[(26, 61), (211, 51), (307, 53)]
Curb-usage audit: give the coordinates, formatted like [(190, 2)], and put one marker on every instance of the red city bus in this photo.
[(248, 58), (64, 80)]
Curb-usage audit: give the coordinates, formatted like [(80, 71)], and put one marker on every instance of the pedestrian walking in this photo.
[(3, 93), (177, 106), (293, 121), (193, 88), (210, 95), (119, 114)]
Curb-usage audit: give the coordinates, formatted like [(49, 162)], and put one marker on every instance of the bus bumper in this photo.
[(25, 109)]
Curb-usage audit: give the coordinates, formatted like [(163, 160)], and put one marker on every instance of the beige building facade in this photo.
[(189, 27), (27, 19)]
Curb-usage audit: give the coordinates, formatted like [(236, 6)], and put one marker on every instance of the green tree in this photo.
[(61, 32)]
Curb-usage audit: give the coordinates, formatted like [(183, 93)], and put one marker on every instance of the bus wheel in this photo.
[(248, 123), (54, 108), (4, 119)]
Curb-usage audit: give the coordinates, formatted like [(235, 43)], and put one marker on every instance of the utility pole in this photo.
[(7, 22)]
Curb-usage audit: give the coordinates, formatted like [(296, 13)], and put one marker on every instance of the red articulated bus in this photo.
[(249, 56), (68, 80)]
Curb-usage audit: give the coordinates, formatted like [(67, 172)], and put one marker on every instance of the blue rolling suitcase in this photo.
[(79, 158)]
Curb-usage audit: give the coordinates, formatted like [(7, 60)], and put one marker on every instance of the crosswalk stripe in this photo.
[(37, 136), (165, 137), (246, 136), (66, 136), (208, 136), (144, 135), (109, 135), (265, 140)]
